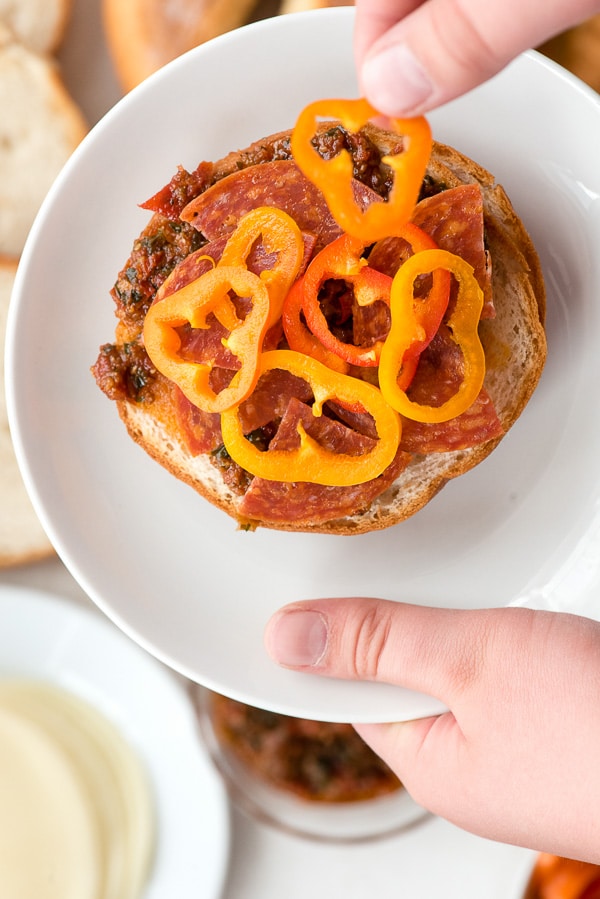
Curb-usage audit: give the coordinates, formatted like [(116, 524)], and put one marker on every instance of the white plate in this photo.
[(44, 637), (168, 568)]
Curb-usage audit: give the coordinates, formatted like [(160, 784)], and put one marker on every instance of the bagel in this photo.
[(513, 338), (39, 24), (290, 6), (143, 36)]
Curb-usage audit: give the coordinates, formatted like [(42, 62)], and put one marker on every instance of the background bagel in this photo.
[(289, 6), (39, 24), (143, 35), (40, 126), (22, 538)]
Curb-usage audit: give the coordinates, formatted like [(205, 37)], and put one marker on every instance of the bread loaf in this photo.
[(40, 126)]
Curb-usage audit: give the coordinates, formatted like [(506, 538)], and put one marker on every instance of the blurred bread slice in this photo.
[(39, 24), (578, 50), (288, 6), (22, 538), (143, 35), (40, 126)]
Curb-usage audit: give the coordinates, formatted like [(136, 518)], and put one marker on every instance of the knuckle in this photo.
[(370, 641)]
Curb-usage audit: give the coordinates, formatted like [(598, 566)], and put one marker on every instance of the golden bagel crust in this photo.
[(144, 35), (514, 342)]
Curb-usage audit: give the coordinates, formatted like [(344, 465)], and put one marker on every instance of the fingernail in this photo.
[(395, 81), (298, 639)]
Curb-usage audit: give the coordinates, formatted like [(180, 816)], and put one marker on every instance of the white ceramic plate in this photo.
[(168, 568), (44, 637)]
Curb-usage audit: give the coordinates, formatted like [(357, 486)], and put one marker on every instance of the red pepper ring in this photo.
[(463, 323), (300, 338), (334, 176), (312, 462), (192, 304), (280, 235), (342, 260)]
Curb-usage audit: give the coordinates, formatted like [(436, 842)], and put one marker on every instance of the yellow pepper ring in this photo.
[(334, 176), (279, 234), (312, 462), (192, 304), (463, 324)]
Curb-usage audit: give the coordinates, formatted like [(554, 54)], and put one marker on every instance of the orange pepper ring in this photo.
[(311, 462), (300, 338), (436, 305), (342, 260), (191, 304), (280, 234), (463, 323), (334, 176)]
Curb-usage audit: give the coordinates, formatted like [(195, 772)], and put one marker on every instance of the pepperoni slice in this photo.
[(454, 219), (271, 397), (275, 501), (438, 376), (278, 183), (201, 430)]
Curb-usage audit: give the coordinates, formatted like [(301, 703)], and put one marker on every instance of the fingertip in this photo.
[(395, 81), (296, 637)]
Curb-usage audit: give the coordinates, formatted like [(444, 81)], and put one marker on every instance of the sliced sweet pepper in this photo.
[(334, 176), (191, 305), (311, 462), (428, 311), (463, 323), (300, 338), (342, 260), (281, 237)]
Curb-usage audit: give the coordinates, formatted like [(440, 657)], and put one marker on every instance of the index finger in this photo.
[(373, 18)]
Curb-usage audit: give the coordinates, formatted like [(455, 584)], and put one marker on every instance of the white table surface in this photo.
[(433, 859)]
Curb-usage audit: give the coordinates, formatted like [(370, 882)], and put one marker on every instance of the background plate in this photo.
[(43, 637), (172, 571)]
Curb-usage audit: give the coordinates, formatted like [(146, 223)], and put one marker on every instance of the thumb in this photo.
[(427, 649), (411, 64), (427, 755), (521, 689)]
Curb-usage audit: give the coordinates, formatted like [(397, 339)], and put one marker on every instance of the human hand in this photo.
[(515, 758), (414, 55)]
